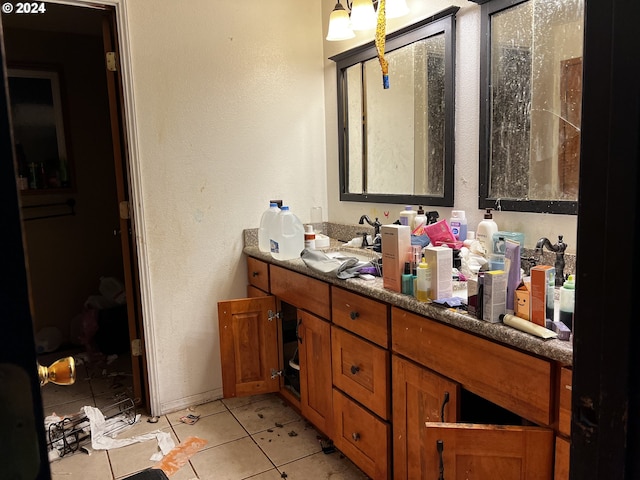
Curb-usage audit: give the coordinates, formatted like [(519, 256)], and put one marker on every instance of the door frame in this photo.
[(134, 174)]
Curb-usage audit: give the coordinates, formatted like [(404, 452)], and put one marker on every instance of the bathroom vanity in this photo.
[(405, 389)]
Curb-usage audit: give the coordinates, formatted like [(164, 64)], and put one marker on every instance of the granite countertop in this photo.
[(558, 350)]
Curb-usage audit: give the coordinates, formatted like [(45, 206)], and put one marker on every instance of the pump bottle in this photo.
[(484, 233), (419, 221)]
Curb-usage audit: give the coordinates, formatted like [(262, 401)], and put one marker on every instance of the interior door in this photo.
[(248, 331), (125, 228), (458, 451)]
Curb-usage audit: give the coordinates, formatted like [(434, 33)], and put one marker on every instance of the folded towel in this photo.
[(340, 266)]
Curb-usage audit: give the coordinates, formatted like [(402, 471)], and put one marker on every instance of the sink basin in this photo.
[(362, 254)]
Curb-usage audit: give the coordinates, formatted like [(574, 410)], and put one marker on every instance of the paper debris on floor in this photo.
[(190, 419), (101, 439)]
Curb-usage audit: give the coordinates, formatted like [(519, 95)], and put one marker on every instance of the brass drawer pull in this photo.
[(354, 369), (355, 436), (354, 315)]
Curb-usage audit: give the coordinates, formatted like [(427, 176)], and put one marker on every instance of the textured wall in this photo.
[(230, 114)]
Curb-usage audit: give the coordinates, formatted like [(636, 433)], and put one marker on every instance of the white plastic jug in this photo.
[(267, 224), (287, 240)]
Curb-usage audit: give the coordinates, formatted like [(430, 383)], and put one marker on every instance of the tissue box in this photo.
[(543, 279), (523, 301), (440, 260), (396, 243), (494, 295)]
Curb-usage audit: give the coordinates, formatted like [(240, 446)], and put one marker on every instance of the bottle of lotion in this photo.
[(484, 233), (309, 237), (407, 216)]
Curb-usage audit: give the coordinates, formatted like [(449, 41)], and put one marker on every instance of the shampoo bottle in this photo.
[(567, 299), (484, 233), (423, 282), (458, 224), (407, 216), (419, 221)]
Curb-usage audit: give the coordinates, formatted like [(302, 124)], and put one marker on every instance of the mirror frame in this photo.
[(441, 22), (567, 207)]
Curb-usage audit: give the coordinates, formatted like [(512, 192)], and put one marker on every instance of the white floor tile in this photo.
[(332, 466), (215, 429), (81, 466), (232, 461), (267, 413), (293, 441), (237, 402)]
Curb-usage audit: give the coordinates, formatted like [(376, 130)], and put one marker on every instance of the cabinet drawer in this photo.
[(564, 411), (361, 370), (258, 273), (361, 436), (299, 290), (514, 380), (363, 316)]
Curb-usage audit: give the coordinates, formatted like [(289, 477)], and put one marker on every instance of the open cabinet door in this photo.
[(459, 451), (248, 330)]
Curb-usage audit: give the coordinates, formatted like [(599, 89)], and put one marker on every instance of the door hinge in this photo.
[(136, 347), (125, 213), (112, 65), (276, 373), (271, 315)]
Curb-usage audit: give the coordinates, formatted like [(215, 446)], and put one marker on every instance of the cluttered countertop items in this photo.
[(419, 264)]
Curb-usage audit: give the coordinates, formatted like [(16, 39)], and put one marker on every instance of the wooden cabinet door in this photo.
[(248, 346), (419, 396), (488, 452), (314, 350)]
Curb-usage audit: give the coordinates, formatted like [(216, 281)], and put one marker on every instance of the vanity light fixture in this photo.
[(363, 17)]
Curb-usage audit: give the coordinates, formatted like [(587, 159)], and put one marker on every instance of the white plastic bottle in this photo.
[(567, 301), (484, 233), (419, 220), (267, 222), (458, 224), (309, 237), (407, 216), (288, 239)]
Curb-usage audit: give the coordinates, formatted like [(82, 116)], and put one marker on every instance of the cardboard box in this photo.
[(440, 260), (396, 244), (523, 301), (543, 279), (494, 295)]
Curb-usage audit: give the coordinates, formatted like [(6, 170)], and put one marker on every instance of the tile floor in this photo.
[(257, 437)]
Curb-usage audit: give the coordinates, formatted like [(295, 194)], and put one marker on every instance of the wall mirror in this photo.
[(397, 144), (531, 95)]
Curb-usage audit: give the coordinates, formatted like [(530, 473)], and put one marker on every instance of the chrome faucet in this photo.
[(559, 247)]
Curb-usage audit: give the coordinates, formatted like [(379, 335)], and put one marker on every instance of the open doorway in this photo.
[(82, 276)]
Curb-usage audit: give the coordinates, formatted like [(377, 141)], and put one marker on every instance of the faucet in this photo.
[(376, 224), (377, 239), (559, 247)]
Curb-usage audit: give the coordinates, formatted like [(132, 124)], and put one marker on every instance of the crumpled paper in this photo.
[(101, 439)]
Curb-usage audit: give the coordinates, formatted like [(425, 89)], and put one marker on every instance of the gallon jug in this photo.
[(288, 237), (267, 223)]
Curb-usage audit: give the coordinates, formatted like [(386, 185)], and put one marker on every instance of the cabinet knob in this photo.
[(355, 436), (254, 274), (354, 315), (354, 369)]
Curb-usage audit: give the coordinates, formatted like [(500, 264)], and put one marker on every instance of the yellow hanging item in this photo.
[(381, 34)]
